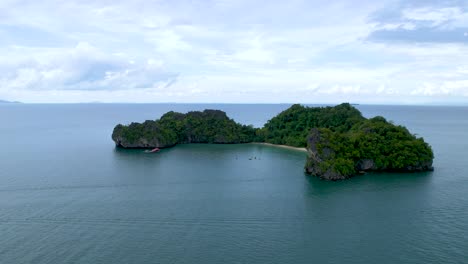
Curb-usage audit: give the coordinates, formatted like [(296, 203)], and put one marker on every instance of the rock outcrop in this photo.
[(374, 145), (320, 161), (145, 135)]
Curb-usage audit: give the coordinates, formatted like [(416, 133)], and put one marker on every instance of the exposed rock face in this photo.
[(365, 165), (145, 135), (421, 166), (320, 160), (141, 143)]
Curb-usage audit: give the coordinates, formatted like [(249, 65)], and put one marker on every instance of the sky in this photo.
[(234, 51)]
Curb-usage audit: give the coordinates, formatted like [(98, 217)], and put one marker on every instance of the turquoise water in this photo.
[(68, 196)]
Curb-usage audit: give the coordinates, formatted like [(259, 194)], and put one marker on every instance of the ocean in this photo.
[(67, 195)]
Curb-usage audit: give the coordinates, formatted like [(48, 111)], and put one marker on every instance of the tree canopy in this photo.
[(292, 126)]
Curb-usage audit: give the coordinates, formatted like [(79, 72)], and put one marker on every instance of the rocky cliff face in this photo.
[(321, 157), (147, 143), (145, 135)]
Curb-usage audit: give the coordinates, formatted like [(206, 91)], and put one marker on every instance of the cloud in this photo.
[(436, 16), (420, 35), (448, 88), (232, 51), (430, 23), (83, 67)]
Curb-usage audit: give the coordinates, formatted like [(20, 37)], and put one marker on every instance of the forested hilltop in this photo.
[(292, 126), (340, 141), (209, 126)]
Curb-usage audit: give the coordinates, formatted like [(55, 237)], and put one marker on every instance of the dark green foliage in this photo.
[(337, 152), (213, 126), (384, 146), (209, 126), (149, 130), (389, 146), (292, 126)]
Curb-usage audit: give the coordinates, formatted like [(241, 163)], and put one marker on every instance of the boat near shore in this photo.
[(152, 150)]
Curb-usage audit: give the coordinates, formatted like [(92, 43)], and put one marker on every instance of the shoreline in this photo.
[(280, 146), (256, 143)]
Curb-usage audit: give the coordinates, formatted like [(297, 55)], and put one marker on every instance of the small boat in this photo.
[(154, 150)]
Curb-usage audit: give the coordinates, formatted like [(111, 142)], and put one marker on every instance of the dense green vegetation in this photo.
[(147, 134), (209, 126), (370, 145), (340, 141), (292, 126), (388, 145)]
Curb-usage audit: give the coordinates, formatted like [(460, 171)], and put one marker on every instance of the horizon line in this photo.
[(239, 103)]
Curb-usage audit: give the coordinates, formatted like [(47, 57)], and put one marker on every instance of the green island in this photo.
[(340, 142)]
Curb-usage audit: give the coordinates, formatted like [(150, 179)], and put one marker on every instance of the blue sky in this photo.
[(382, 52)]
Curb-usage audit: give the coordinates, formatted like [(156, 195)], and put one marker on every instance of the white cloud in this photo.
[(225, 51), (447, 17), (450, 88), (394, 26), (83, 67), (436, 15)]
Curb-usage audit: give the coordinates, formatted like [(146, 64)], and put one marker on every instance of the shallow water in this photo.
[(68, 196)]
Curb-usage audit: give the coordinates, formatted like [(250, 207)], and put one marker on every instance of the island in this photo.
[(8, 102), (340, 142), (209, 126)]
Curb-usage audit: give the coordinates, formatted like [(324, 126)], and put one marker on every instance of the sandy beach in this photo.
[(281, 146)]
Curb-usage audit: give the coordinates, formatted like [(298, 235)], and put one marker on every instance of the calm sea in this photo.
[(68, 196)]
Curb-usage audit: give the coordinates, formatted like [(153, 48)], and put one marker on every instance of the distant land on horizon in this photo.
[(460, 104), (9, 102)]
